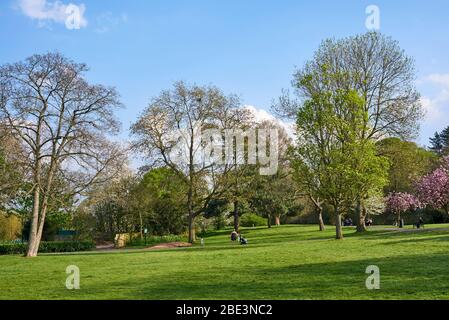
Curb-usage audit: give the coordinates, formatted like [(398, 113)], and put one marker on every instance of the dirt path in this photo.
[(169, 245)]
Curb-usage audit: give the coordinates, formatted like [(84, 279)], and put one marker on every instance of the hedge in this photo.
[(47, 247)]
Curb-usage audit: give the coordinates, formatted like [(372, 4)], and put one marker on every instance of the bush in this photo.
[(47, 247), (154, 240), (250, 220), (12, 248), (65, 246), (10, 227)]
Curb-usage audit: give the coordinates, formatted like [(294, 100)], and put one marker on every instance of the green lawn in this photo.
[(288, 262)]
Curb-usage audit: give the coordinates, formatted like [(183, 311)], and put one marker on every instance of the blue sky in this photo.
[(246, 47)]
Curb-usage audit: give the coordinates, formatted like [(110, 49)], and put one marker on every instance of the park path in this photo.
[(109, 247)]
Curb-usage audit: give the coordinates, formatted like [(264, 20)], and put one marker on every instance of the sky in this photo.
[(250, 48)]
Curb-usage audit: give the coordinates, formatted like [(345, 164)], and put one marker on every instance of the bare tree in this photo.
[(62, 122), (170, 131)]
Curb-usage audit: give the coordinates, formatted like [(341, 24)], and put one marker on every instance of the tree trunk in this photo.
[(236, 216), (269, 221), (319, 210), (320, 219), (141, 225), (192, 237), (361, 226), (190, 209), (40, 230), (277, 220), (339, 234), (32, 238)]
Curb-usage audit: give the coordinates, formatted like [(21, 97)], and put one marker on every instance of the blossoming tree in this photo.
[(433, 189), (400, 202)]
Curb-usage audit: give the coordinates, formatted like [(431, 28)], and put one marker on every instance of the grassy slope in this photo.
[(288, 262)]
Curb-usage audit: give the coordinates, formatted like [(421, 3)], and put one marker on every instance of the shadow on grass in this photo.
[(402, 277)]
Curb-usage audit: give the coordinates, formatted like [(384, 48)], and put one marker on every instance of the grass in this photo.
[(287, 262)]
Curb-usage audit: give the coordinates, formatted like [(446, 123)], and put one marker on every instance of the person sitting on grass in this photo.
[(243, 241), (234, 235)]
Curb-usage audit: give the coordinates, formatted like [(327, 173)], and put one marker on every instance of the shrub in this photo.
[(10, 226), (65, 246), (251, 219), (47, 247), (12, 248)]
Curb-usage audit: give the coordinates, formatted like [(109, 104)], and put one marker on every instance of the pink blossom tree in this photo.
[(433, 189), (400, 202)]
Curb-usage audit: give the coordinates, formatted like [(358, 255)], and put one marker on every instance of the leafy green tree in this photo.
[(331, 154), (217, 209), (160, 199), (378, 70), (272, 196), (408, 162)]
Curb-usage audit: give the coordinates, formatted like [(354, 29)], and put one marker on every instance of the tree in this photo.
[(408, 163), (217, 209), (439, 143), (159, 199), (378, 70), (401, 202), (111, 205), (336, 162), (433, 189), (272, 196), (62, 122), (308, 182), (170, 131), (236, 121), (11, 167)]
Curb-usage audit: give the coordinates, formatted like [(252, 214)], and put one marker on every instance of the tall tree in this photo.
[(170, 131), (237, 120), (379, 71), (308, 182), (330, 153), (62, 122), (272, 196)]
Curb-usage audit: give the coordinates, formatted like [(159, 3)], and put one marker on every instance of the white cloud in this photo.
[(46, 11), (438, 79), (436, 104), (262, 115)]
